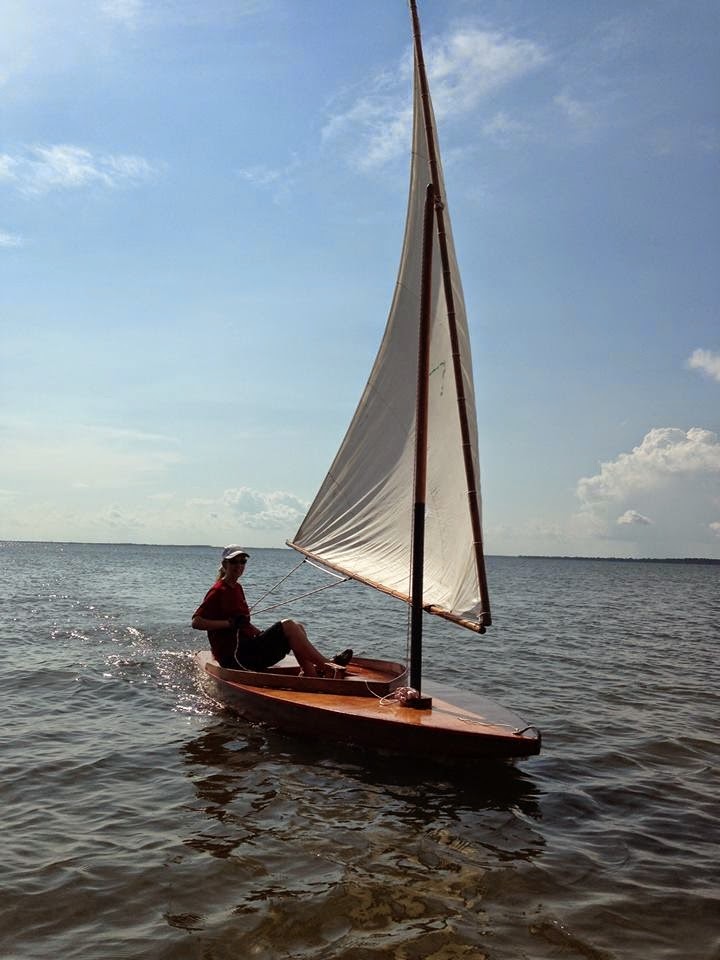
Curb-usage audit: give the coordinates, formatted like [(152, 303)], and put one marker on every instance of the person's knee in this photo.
[(292, 626)]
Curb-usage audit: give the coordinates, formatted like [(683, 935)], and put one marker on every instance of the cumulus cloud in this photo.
[(74, 481), (665, 453), (262, 510), (40, 169), (121, 513), (706, 361), (633, 517), (464, 67), (664, 494), (715, 527)]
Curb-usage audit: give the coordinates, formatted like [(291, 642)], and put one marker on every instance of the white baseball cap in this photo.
[(234, 551)]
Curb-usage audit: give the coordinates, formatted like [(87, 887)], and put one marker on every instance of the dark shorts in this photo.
[(265, 650)]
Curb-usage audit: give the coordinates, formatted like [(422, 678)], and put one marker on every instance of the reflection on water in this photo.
[(346, 846), (233, 746)]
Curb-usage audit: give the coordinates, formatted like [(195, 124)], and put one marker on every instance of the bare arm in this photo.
[(200, 623)]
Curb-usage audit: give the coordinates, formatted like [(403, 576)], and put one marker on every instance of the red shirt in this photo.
[(223, 602)]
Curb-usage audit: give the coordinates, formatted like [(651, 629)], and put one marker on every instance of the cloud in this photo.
[(150, 515), (43, 39), (463, 67), (40, 169), (260, 176), (376, 127), (706, 361), (659, 500), (7, 167), (279, 180), (259, 510), (581, 114), (184, 13), (75, 481), (683, 138), (503, 129), (122, 11), (633, 517), (81, 456), (665, 453), (469, 64), (663, 494), (10, 240)]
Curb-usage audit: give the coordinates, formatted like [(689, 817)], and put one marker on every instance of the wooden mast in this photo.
[(421, 434), (472, 484)]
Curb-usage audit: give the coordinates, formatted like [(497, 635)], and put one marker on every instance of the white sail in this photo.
[(361, 520)]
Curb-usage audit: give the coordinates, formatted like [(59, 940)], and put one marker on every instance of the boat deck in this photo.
[(363, 708)]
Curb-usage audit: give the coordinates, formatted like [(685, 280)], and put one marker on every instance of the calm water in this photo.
[(141, 821)]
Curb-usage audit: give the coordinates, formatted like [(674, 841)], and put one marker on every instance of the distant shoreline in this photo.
[(500, 556), (530, 556)]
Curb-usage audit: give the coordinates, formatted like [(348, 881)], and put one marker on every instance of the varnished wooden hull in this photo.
[(360, 710)]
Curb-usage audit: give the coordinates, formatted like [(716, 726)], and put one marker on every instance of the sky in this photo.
[(201, 214)]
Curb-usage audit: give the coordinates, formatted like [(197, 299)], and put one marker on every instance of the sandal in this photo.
[(344, 658)]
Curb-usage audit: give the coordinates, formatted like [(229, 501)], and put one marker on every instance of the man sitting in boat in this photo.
[(237, 644)]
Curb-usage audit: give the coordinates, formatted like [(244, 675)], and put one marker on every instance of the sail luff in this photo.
[(473, 501)]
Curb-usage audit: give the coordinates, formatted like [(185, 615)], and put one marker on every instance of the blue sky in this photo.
[(201, 213)]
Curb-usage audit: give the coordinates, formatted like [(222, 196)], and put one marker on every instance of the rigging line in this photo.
[(272, 589), (327, 570), (300, 596), (487, 723)]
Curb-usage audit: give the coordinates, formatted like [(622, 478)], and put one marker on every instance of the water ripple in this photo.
[(143, 821)]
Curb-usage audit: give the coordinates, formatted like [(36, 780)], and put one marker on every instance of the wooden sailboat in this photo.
[(399, 510)]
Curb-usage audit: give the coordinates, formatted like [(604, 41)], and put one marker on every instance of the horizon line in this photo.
[(504, 556)]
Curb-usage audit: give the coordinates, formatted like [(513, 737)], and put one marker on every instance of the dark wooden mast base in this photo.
[(420, 703)]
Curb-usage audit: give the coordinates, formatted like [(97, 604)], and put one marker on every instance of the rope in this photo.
[(282, 580), (300, 596), (402, 695)]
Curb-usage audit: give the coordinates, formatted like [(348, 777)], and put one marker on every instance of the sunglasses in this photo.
[(238, 560)]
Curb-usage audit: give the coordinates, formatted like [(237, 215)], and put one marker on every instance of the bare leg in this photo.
[(311, 660)]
